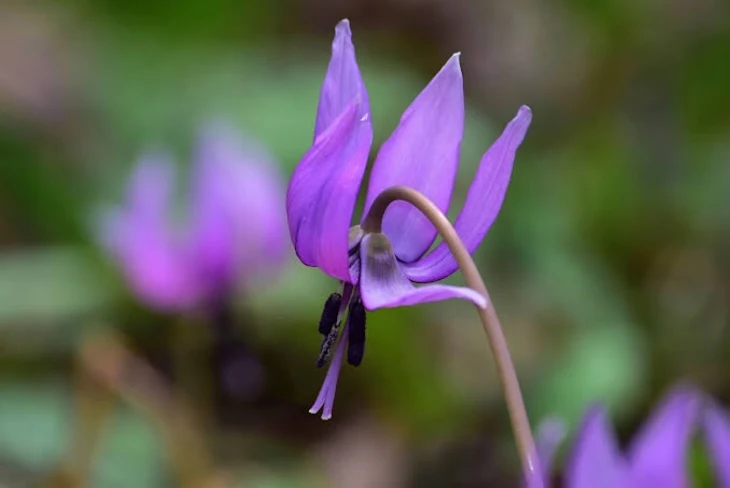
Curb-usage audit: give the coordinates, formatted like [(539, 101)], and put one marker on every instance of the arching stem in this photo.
[(489, 319)]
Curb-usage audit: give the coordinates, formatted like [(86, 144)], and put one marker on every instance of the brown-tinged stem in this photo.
[(111, 363), (93, 405), (488, 316)]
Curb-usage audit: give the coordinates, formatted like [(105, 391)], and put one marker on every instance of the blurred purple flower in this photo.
[(656, 458), (234, 230), (378, 270)]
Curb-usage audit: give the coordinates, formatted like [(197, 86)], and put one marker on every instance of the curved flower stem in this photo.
[(489, 319)]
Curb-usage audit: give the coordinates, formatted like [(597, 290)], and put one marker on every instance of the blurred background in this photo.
[(609, 264)]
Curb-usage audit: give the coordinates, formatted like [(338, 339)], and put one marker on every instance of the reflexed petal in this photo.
[(384, 285), (596, 461), (483, 202), (717, 433), (342, 83), (322, 193), (658, 455), (422, 153), (237, 205)]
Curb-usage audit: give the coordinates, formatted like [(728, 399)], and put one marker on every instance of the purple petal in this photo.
[(150, 190), (422, 153), (384, 285), (323, 189), (326, 399), (238, 212), (153, 264), (657, 456), (212, 226), (596, 461), (483, 201), (342, 83), (536, 480), (139, 236), (322, 193), (717, 433)]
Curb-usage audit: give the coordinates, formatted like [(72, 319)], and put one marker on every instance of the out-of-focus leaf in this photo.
[(703, 77), (33, 423), (704, 193), (568, 277), (130, 454), (37, 189), (278, 478), (186, 19), (599, 365), (36, 424), (50, 284)]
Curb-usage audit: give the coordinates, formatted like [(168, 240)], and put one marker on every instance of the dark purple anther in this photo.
[(329, 313), (356, 341)]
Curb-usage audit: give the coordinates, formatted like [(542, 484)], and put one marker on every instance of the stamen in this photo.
[(356, 342), (331, 334), (330, 313), (327, 344)]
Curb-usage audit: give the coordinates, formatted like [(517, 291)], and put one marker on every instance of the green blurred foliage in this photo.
[(609, 258), (40, 414)]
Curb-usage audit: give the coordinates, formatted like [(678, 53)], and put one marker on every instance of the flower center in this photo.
[(347, 300), (330, 324)]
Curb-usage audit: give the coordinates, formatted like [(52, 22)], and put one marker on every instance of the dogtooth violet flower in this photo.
[(234, 228), (377, 270), (657, 457)]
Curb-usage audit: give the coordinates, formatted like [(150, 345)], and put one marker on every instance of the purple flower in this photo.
[(234, 224), (377, 270), (656, 457)]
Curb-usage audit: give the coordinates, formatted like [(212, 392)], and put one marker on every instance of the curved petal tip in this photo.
[(343, 37), (452, 66), (342, 29), (657, 453), (524, 113), (342, 84)]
